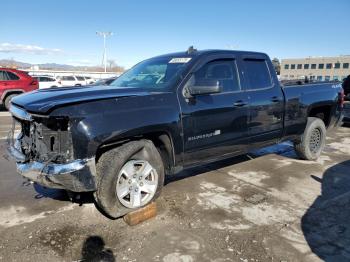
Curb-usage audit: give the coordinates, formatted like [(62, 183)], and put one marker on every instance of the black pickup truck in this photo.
[(166, 113)]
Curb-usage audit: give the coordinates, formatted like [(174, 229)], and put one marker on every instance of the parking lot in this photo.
[(265, 206)]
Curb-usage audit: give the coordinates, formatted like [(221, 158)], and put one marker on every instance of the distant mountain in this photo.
[(13, 63), (53, 66)]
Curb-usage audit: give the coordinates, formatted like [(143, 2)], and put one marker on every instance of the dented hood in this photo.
[(44, 100)]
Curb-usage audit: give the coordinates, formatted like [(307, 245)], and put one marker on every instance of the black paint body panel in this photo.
[(201, 129)]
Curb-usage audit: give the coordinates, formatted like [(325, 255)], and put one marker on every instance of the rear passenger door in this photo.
[(214, 125), (266, 100), (13, 81), (3, 81)]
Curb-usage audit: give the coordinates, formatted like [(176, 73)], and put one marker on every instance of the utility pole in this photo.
[(104, 58)]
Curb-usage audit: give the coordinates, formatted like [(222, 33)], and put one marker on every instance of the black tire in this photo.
[(312, 141), (109, 166), (8, 100)]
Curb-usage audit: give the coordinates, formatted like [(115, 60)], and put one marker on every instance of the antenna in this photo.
[(104, 58)]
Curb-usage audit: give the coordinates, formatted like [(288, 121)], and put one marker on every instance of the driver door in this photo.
[(214, 125)]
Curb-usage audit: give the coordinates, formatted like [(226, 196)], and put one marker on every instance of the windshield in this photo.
[(154, 74)]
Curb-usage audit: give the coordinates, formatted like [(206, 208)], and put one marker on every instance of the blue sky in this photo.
[(64, 31)]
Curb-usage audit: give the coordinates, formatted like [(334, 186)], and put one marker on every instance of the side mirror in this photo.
[(204, 87)]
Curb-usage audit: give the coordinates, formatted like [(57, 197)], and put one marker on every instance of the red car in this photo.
[(14, 82)]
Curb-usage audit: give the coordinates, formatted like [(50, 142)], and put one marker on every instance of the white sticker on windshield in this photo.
[(180, 60)]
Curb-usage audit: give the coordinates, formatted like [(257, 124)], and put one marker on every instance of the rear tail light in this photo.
[(342, 98), (34, 83)]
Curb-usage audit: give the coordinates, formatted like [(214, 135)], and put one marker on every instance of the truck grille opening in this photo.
[(47, 139)]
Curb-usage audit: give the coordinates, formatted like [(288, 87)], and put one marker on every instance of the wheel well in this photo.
[(322, 112), (161, 140), (11, 93)]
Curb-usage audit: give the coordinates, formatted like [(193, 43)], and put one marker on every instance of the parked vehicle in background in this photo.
[(80, 80), (346, 118), (47, 82), (72, 80), (14, 82), (167, 113), (89, 80), (105, 81), (346, 87)]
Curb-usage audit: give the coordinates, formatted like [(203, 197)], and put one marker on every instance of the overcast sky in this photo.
[(64, 31)]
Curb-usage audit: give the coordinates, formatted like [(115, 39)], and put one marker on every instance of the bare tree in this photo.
[(111, 63), (277, 65)]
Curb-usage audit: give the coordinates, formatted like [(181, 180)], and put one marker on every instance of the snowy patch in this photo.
[(14, 216), (341, 148), (177, 257), (251, 177)]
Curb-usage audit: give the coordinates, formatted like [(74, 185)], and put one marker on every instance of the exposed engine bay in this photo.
[(45, 139)]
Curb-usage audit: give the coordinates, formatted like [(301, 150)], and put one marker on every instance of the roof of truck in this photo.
[(212, 51)]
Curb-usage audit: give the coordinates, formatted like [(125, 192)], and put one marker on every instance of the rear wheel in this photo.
[(312, 141), (8, 100), (128, 177)]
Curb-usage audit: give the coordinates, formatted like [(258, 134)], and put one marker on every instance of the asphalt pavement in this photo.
[(264, 206)]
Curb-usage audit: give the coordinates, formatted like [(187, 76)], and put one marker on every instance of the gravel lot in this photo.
[(267, 206)]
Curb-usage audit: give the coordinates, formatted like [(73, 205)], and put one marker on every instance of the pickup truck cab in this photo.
[(167, 113)]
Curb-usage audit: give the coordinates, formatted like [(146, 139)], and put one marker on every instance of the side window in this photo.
[(224, 71), (12, 76), (3, 76), (257, 73)]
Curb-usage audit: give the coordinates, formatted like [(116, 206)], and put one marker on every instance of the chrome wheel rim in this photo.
[(137, 183), (315, 140)]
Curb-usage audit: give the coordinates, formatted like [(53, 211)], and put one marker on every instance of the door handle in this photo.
[(239, 103), (274, 99)]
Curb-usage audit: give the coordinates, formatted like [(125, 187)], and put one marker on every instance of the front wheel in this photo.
[(128, 177), (8, 100), (312, 141)]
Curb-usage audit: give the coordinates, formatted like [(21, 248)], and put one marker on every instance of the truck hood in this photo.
[(44, 100)]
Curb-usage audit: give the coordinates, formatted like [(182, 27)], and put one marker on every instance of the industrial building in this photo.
[(316, 68)]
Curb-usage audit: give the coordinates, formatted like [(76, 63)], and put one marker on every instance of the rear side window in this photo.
[(12, 76), (3, 76), (68, 78), (257, 73), (224, 71), (80, 78)]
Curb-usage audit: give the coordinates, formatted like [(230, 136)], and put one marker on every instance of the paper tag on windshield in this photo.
[(180, 60)]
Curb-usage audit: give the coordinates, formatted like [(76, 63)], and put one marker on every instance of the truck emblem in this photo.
[(208, 135)]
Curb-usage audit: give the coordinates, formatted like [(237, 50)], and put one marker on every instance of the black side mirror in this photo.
[(204, 87)]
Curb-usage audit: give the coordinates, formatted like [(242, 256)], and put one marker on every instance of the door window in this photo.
[(3, 76), (223, 71), (257, 74), (12, 76)]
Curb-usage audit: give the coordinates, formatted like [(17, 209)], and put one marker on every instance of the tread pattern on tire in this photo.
[(301, 147), (108, 167)]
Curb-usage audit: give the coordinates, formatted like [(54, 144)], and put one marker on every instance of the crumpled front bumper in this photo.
[(77, 176)]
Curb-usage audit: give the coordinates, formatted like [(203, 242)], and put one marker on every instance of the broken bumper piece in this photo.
[(77, 175)]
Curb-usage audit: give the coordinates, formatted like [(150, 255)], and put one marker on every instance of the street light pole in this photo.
[(104, 58)]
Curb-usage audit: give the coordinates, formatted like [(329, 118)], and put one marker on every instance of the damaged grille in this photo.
[(46, 139)]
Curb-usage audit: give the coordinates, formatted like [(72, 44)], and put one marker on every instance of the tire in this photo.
[(8, 100), (312, 141), (110, 175)]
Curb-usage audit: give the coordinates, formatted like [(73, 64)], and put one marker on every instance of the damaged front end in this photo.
[(43, 149)]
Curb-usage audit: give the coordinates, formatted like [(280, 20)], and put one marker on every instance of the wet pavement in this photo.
[(265, 206)]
